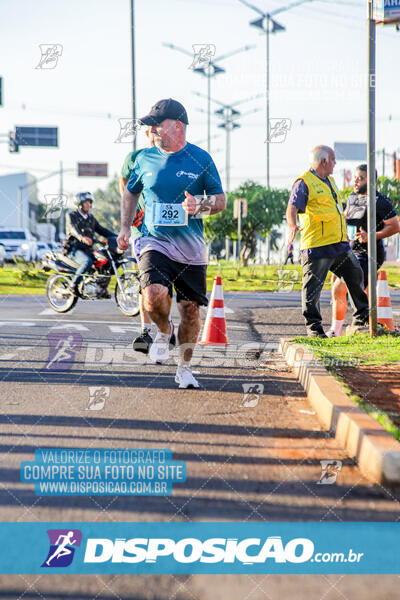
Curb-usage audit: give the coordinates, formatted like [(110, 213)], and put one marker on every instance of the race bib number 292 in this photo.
[(169, 215)]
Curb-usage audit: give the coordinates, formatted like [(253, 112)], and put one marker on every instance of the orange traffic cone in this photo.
[(214, 332), (384, 308)]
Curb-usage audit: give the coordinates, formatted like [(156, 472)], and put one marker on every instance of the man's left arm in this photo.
[(102, 230), (391, 227)]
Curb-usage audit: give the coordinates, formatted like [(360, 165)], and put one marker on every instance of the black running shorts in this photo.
[(189, 281)]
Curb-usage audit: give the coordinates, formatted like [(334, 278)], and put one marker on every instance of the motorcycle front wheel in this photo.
[(59, 296), (128, 305)]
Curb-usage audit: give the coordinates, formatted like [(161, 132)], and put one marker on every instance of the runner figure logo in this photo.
[(251, 394), (50, 54), (62, 547), (54, 204), (62, 349), (97, 397), (330, 470), (128, 129), (202, 55), (278, 130)]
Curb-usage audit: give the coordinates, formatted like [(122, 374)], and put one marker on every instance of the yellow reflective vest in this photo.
[(323, 222)]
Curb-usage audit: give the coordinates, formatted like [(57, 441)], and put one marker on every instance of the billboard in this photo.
[(92, 169), (387, 12), (350, 151), (37, 136)]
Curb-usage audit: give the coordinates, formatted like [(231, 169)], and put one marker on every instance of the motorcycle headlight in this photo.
[(25, 246)]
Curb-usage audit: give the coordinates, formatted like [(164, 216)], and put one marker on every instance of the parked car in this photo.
[(2, 255), (18, 243), (42, 249)]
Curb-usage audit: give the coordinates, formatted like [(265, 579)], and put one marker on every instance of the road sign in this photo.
[(350, 151), (347, 176), (387, 12), (92, 169), (236, 210), (37, 136)]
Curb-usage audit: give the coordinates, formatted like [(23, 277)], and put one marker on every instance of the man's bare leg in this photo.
[(189, 330), (157, 303), (145, 318), (339, 304)]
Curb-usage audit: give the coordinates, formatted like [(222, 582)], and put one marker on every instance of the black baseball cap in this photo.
[(165, 109)]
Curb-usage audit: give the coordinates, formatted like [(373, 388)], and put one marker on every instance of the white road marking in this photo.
[(71, 326), (126, 329), (17, 323), (48, 311)]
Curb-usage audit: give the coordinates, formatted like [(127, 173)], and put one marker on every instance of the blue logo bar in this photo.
[(230, 548)]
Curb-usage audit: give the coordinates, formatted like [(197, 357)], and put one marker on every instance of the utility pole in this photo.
[(228, 113), (268, 25), (209, 71), (371, 32), (132, 4), (61, 192)]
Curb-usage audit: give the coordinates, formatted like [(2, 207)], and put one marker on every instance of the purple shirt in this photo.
[(299, 198)]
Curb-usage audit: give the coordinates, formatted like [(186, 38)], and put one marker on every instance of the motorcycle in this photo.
[(94, 283)]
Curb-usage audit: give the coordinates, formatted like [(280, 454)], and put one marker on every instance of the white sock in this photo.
[(164, 337), (337, 326)]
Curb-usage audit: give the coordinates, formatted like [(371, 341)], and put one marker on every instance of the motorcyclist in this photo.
[(81, 227)]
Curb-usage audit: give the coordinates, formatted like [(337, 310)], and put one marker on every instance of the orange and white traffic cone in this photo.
[(384, 308), (214, 332)]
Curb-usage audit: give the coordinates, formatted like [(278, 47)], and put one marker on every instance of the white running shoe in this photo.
[(185, 378), (159, 350)]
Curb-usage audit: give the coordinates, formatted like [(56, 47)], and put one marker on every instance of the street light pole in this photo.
[(132, 5), (268, 25), (209, 71), (267, 100), (371, 31)]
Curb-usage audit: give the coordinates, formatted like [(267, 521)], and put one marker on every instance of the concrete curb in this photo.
[(377, 453)]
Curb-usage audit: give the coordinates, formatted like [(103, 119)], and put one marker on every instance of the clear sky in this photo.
[(318, 76)]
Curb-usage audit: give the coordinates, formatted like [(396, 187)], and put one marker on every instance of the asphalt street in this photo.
[(249, 456)]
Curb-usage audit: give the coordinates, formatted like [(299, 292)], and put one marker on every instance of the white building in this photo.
[(19, 201)]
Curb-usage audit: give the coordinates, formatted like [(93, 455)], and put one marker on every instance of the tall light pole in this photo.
[(132, 6), (371, 32), (228, 113), (209, 71), (268, 25)]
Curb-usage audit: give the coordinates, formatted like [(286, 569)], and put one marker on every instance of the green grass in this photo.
[(358, 350), (267, 278)]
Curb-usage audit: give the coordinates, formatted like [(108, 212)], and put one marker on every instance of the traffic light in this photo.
[(12, 142)]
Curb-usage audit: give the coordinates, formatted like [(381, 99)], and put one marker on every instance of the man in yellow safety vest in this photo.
[(316, 200)]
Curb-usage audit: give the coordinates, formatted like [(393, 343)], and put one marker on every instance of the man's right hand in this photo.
[(292, 234), (87, 240), (123, 239)]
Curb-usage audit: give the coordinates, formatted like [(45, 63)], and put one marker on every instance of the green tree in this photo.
[(388, 187), (107, 209), (265, 208)]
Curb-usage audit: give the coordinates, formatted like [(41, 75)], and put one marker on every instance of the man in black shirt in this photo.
[(356, 213), (81, 227)]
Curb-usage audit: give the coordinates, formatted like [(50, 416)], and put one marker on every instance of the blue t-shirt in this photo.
[(163, 178), (299, 198)]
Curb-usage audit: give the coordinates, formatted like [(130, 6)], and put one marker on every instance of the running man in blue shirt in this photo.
[(173, 176), (144, 340)]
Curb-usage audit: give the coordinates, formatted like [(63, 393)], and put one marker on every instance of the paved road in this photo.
[(244, 462)]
